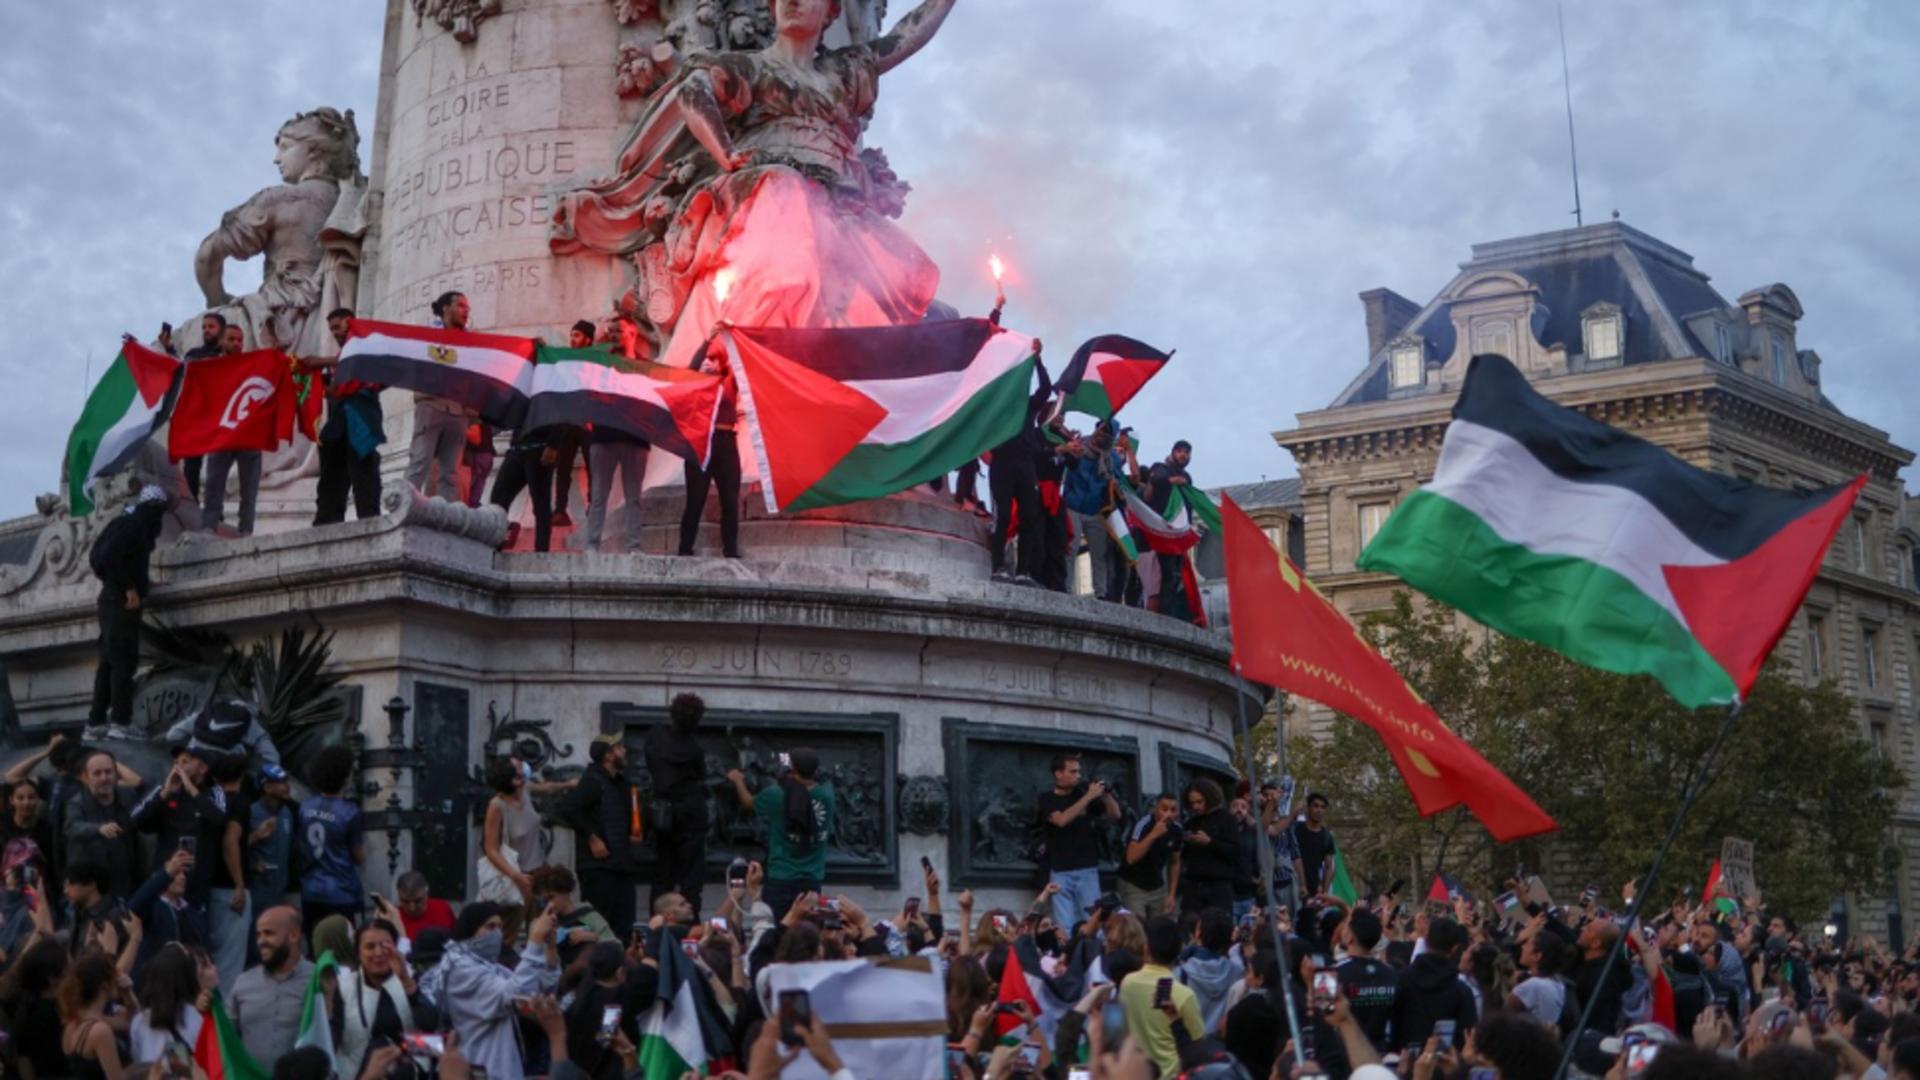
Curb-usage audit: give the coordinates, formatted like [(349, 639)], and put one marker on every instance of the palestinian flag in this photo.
[(1341, 887), (488, 373), (1049, 996), (671, 1039), (1546, 525), (1446, 889), (1171, 533), (671, 408), (128, 402), (314, 1029), (1106, 372), (1122, 534), (840, 415), (220, 1053)]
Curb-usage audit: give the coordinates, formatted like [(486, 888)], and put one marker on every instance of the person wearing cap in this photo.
[(120, 558), (227, 725), (796, 813), (603, 812), (187, 812), (270, 840)]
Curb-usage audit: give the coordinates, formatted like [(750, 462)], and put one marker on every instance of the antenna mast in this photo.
[(1566, 82)]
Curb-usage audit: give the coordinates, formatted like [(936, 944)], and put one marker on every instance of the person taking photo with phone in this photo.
[(1144, 993), (1072, 855)]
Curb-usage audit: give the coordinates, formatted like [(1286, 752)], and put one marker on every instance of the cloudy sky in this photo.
[(1221, 178)]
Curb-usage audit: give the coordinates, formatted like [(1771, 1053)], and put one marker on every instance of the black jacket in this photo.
[(1246, 859), (679, 770), (1211, 861), (120, 555), (1430, 989), (601, 806)]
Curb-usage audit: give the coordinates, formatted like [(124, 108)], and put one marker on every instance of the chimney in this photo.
[(1388, 313)]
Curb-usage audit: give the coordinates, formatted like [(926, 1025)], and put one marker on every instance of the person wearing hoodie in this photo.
[(120, 559), (1211, 965), (678, 808), (1206, 850), (1431, 990), (475, 991)]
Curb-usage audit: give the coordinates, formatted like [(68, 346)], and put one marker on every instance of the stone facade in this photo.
[(1620, 325), (869, 638)]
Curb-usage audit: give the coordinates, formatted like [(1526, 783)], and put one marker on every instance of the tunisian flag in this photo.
[(242, 402), (1286, 634)]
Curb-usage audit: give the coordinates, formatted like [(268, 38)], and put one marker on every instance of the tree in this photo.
[(1609, 756)]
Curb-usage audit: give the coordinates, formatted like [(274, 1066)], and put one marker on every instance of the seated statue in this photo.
[(309, 229), (742, 192)]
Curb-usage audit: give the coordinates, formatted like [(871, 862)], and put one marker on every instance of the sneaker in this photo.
[(120, 731), (561, 519), (94, 733), (1026, 581), (1003, 577)]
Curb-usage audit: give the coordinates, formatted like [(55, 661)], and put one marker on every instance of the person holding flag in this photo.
[(1161, 480), (350, 439), (220, 463)]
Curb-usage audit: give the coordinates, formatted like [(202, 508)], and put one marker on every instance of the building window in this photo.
[(1779, 362), (1408, 368), (1860, 544), (1602, 332), (1816, 647), (1722, 343), (1870, 655), (1877, 736), (1372, 516)]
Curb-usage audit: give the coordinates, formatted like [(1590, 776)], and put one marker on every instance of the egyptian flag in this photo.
[(1547, 525), (1288, 635), (1106, 372), (671, 408), (845, 414), (488, 373), (128, 402), (245, 401)]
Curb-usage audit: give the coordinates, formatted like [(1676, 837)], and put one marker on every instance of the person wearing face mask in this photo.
[(375, 1001), (476, 992)]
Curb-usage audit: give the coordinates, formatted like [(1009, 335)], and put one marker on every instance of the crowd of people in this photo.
[(1053, 489)]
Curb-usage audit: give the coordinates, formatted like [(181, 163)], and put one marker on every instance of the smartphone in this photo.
[(1326, 986), (190, 845), (926, 864), (737, 874), (1781, 1021), (1163, 993), (609, 1024), (1002, 923), (29, 877), (1398, 884), (1078, 1073), (956, 1060), (1640, 1055), (1817, 1017), (691, 948), (424, 1043), (1589, 894), (1108, 902), (523, 1006), (1029, 1056), (638, 935), (795, 1010), (786, 759), (1443, 1030), (912, 907)]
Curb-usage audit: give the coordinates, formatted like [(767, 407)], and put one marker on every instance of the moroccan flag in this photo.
[(672, 1042), (671, 408), (488, 373), (845, 414), (125, 406), (220, 1053), (1547, 525), (241, 402), (1341, 887), (1106, 372), (1286, 634)]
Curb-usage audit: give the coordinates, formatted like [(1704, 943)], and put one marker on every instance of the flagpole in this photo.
[(1645, 888), (1264, 852)]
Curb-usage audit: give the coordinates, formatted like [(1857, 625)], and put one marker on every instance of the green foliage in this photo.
[(286, 679), (1608, 756)]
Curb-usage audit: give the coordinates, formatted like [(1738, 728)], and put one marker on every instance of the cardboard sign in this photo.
[(1736, 868)]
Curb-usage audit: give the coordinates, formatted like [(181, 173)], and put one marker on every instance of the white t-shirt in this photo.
[(147, 1045), (1544, 998)]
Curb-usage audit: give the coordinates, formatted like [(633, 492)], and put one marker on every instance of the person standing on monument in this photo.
[(439, 426), (579, 337), (120, 558), (212, 324), (616, 450), (723, 466), (349, 440), (529, 466), (1160, 483), (678, 767), (1072, 856), (1014, 482), (220, 463), (604, 812)]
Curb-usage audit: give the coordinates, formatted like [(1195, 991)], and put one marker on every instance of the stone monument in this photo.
[(557, 160)]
